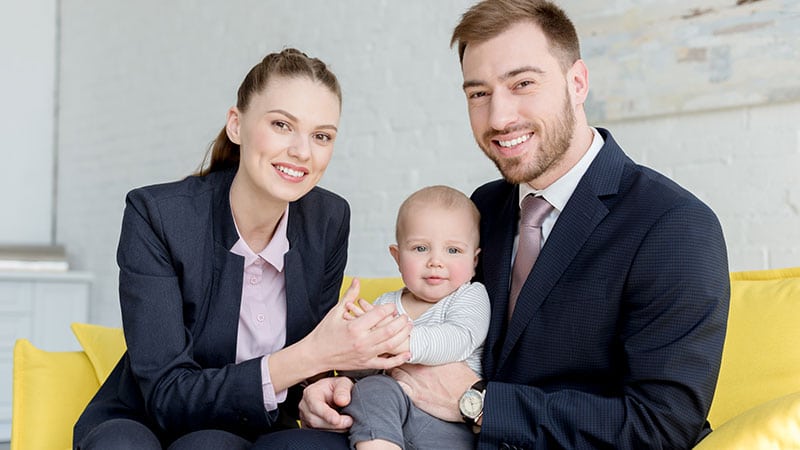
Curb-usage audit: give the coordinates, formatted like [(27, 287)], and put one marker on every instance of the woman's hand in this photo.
[(362, 342), (320, 403), (359, 307)]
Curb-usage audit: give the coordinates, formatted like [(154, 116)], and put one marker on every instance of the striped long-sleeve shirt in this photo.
[(452, 330)]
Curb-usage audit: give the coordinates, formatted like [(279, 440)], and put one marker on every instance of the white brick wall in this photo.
[(27, 93), (145, 87), (744, 163)]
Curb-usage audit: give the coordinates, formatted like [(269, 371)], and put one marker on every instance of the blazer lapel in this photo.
[(583, 212), (300, 316), (227, 273), (298, 308)]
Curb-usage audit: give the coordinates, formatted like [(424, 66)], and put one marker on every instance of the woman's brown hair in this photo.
[(290, 62)]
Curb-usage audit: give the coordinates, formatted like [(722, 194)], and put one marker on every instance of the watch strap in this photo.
[(479, 386)]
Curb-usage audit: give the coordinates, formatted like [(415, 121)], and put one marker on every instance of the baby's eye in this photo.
[(453, 250), (420, 248)]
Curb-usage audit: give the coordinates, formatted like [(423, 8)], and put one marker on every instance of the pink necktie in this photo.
[(534, 210)]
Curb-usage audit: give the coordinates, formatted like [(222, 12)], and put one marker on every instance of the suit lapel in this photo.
[(583, 212), (581, 215), (496, 261)]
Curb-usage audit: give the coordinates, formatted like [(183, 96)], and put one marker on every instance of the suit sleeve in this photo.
[(671, 330), (179, 394)]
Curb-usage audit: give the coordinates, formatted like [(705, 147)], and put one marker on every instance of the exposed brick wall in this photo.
[(145, 87), (744, 163)]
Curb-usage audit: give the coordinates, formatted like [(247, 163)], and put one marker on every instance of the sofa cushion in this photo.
[(372, 288), (50, 391), (761, 357), (773, 425), (104, 346)]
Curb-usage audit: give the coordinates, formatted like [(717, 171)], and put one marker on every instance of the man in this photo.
[(615, 337)]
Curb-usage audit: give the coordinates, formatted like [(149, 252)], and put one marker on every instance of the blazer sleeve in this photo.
[(179, 395), (671, 329)]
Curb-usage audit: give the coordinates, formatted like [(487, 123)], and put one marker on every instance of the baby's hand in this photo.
[(352, 310)]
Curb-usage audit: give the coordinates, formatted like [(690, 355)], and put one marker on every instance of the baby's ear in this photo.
[(475, 261), (394, 250)]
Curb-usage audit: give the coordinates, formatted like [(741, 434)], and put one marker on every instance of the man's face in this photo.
[(519, 105)]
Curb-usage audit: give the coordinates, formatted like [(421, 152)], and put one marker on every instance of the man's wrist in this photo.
[(470, 405)]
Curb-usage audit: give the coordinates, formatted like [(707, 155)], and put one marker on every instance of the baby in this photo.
[(436, 252)]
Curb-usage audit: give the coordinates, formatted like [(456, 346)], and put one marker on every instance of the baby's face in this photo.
[(437, 252)]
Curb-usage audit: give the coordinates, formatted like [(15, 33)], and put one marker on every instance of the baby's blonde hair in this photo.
[(441, 196)]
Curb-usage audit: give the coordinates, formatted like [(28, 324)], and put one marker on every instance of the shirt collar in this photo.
[(273, 252), (558, 193)]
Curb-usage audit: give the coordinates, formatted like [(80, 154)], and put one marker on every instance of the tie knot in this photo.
[(534, 210)]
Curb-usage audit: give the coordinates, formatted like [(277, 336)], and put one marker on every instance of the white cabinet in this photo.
[(39, 307)]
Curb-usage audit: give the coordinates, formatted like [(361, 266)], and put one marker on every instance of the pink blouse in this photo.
[(262, 316)]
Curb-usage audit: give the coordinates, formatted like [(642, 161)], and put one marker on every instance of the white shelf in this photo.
[(38, 306)]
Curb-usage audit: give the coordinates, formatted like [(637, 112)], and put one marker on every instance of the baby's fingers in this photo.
[(352, 311), (365, 305)]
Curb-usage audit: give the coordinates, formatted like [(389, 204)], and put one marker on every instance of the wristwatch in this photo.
[(471, 405)]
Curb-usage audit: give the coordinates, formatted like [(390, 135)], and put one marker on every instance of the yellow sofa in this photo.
[(756, 404)]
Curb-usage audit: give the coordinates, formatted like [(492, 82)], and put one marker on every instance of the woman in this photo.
[(226, 278)]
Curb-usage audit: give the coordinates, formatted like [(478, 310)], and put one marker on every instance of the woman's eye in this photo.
[(322, 137), (280, 125)]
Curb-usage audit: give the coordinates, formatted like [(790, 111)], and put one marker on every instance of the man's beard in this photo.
[(558, 137)]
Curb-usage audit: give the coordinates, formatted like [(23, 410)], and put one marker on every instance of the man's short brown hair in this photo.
[(489, 18)]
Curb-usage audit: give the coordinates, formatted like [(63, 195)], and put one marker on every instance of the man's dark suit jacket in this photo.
[(617, 335), (180, 292)]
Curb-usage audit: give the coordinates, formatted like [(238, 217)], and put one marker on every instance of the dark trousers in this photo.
[(302, 439), (126, 434)]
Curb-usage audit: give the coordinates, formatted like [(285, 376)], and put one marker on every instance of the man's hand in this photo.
[(319, 403), (436, 389)]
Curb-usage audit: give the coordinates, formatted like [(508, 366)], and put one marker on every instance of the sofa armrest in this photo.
[(774, 424)]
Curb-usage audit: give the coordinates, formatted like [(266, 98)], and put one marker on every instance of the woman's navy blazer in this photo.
[(180, 291)]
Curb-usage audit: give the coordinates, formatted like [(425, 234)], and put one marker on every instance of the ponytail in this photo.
[(222, 154)]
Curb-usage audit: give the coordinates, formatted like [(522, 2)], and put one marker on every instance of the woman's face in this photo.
[(286, 137)]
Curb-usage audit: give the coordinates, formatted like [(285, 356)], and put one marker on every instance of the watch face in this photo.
[(471, 404)]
